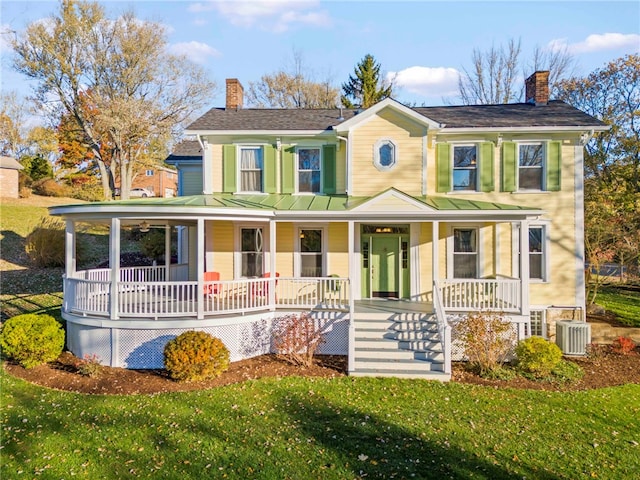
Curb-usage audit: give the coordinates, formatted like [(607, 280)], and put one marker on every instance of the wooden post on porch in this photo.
[(351, 359), (200, 269), (435, 253), (524, 269), (272, 264), (114, 263), (69, 260), (167, 253)]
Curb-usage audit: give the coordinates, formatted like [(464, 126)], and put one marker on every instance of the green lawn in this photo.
[(624, 303), (296, 428)]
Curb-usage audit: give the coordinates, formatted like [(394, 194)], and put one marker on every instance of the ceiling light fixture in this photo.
[(144, 226)]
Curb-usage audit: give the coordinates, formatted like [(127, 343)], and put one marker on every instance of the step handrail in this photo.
[(443, 326)]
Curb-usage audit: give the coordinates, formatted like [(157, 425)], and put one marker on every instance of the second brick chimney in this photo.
[(234, 94), (537, 88)]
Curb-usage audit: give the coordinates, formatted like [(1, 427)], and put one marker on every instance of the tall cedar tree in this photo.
[(366, 88)]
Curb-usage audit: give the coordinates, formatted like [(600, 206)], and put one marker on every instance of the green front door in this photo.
[(385, 256)]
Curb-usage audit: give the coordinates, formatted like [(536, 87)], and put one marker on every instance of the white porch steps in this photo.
[(397, 345)]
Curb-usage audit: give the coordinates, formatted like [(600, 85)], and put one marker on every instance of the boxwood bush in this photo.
[(194, 356), (32, 339), (537, 356)]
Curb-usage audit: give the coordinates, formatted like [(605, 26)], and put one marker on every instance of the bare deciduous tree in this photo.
[(495, 76), (136, 91), (293, 86)]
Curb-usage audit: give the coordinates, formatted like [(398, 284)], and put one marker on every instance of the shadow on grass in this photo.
[(372, 447)]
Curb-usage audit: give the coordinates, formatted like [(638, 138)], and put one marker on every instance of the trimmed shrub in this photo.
[(487, 339), (537, 356), (45, 244), (296, 338), (194, 356), (32, 339)]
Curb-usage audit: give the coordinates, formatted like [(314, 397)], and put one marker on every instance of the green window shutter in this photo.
[(329, 168), (554, 166), (509, 166), (229, 168), (443, 167), (486, 167), (269, 169), (288, 169)]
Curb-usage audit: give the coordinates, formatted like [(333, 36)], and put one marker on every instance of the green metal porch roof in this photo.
[(312, 203)]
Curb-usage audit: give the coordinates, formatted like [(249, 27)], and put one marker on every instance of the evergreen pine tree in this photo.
[(366, 88)]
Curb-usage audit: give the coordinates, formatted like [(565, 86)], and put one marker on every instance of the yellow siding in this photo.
[(284, 249), (408, 137), (559, 208), (223, 244), (338, 249)]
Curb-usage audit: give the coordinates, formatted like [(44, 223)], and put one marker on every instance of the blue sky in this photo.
[(425, 44)]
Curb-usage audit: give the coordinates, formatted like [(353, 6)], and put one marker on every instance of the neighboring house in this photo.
[(160, 181), (387, 223), (9, 168)]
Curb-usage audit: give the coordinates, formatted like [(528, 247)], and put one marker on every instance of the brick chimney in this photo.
[(234, 94), (537, 88)]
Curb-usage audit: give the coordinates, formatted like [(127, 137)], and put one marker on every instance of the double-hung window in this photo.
[(251, 169), (251, 252), (311, 253), (537, 252), (531, 166), (465, 167), (309, 162), (465, 253)]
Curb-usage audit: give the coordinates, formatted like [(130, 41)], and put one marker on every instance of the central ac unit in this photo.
[(573, 337)]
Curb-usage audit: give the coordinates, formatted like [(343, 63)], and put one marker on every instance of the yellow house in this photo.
[(386, 224)]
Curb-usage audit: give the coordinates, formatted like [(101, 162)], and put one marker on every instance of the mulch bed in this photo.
[(607, 370)]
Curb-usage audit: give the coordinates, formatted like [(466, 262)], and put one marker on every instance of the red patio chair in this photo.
[(261, 288), (211, 288)]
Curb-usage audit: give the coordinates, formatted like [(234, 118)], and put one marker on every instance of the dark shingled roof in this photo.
[(555, 114), (186, 150), (271, 119)]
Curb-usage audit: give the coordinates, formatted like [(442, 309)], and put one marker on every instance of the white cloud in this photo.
[(197, 51), (598, 42), (427, 81), (274, 15)]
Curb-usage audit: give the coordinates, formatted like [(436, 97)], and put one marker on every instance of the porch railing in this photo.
[(143, 293), (500, 294), (444, 329)]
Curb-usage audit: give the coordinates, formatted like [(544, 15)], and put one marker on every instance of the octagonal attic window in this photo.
[(385, 155)]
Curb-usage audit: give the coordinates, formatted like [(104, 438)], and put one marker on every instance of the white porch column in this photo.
[(272, 263), (435, 250), (167, 253), (524, 266), (69, 262), (200, 269), (114, 263), (352, 271)]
